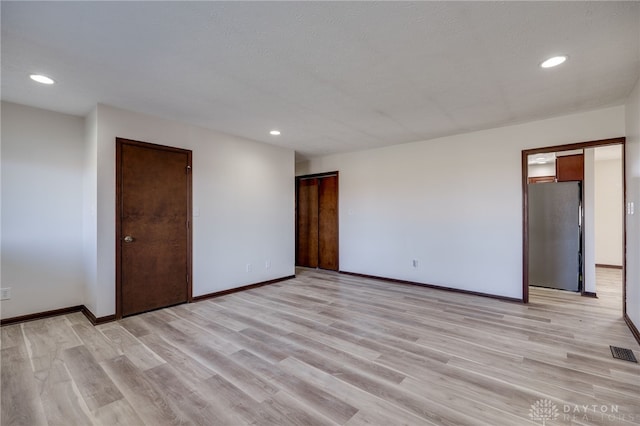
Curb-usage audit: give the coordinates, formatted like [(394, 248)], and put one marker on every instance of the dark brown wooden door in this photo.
[(307, 223), (317, 222), (154, 236), (328, 223)]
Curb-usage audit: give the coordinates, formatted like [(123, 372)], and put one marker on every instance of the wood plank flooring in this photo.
[(331, 349)]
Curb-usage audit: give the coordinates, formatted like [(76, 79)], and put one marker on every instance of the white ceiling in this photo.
[(332, 76)]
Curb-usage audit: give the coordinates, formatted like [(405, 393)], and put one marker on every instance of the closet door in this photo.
[(317, 221), (328, 222), (307, 223)]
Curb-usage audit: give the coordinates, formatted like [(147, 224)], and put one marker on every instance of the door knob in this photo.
[(128, 239)]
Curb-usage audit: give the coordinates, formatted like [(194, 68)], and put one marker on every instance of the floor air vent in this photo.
[(622, 353)]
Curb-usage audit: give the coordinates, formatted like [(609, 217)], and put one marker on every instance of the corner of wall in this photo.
[(589, 221), (89, 209), (632, 180), (302, 168)]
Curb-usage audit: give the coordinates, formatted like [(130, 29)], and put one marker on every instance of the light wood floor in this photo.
[(327, 349)]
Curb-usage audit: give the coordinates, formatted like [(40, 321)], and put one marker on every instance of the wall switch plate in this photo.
[(267, 264), (248, 267), (5, 293)]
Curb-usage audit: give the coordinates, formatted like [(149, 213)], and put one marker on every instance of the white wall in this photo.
[(243, 196), (608, 212), (589, 226), (632, 170), (454, 203), (42, 157), (89, 211)]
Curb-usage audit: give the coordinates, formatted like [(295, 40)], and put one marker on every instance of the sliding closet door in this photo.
[(307, 223), (328, 222), (317, 221)]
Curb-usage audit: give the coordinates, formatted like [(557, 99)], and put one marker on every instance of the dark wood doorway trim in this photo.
[(119, 143), (318, 176), (525, 210)]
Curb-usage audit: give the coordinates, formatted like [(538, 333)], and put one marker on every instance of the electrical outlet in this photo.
[(267, 264), (248, 267), (5, 293), (414, 263)]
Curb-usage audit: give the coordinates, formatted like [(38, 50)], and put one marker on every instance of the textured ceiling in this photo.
[(332, 76)]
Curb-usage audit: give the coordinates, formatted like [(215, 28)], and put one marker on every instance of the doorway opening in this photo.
[(317, 221), (597, 242)]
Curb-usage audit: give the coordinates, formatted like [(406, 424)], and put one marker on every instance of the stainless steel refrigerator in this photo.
[(555, 239)]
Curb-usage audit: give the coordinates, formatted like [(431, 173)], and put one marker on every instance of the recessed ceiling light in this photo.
[(41, 79), (274, 132), (552, 62)]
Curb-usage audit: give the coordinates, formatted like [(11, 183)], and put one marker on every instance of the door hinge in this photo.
[(188, 169)]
